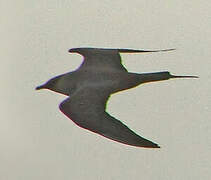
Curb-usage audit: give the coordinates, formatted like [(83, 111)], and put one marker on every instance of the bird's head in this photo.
[(50, 84), (80, 51), (55, 84)]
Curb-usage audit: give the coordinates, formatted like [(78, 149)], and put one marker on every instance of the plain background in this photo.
[(39, 142)]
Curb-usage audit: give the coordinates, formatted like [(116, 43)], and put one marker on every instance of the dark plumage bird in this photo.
[(89, 87)]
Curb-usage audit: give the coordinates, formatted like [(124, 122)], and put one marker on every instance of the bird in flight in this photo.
[(89, 87)]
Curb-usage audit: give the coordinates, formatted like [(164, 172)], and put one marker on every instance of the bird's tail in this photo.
[(158, 76), (174, 76)]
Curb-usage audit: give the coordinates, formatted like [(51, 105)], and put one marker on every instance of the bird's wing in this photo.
[(102, 58), (87, 109)]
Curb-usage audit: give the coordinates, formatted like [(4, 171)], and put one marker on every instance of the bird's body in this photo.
[(89, 87)]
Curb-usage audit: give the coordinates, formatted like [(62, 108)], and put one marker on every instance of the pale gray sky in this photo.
[(39, 142)]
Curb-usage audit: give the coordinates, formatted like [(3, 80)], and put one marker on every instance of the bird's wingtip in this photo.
[(154, 146), (173, 49), (157, 146), (143, 51), (151, 147)]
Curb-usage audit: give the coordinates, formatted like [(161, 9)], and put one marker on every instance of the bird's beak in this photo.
[(73, 50), (40, 87)]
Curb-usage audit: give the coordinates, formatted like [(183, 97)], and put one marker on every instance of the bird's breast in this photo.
[(106, 80)]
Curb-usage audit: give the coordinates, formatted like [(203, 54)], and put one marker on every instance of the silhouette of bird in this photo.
[(89, 87)]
